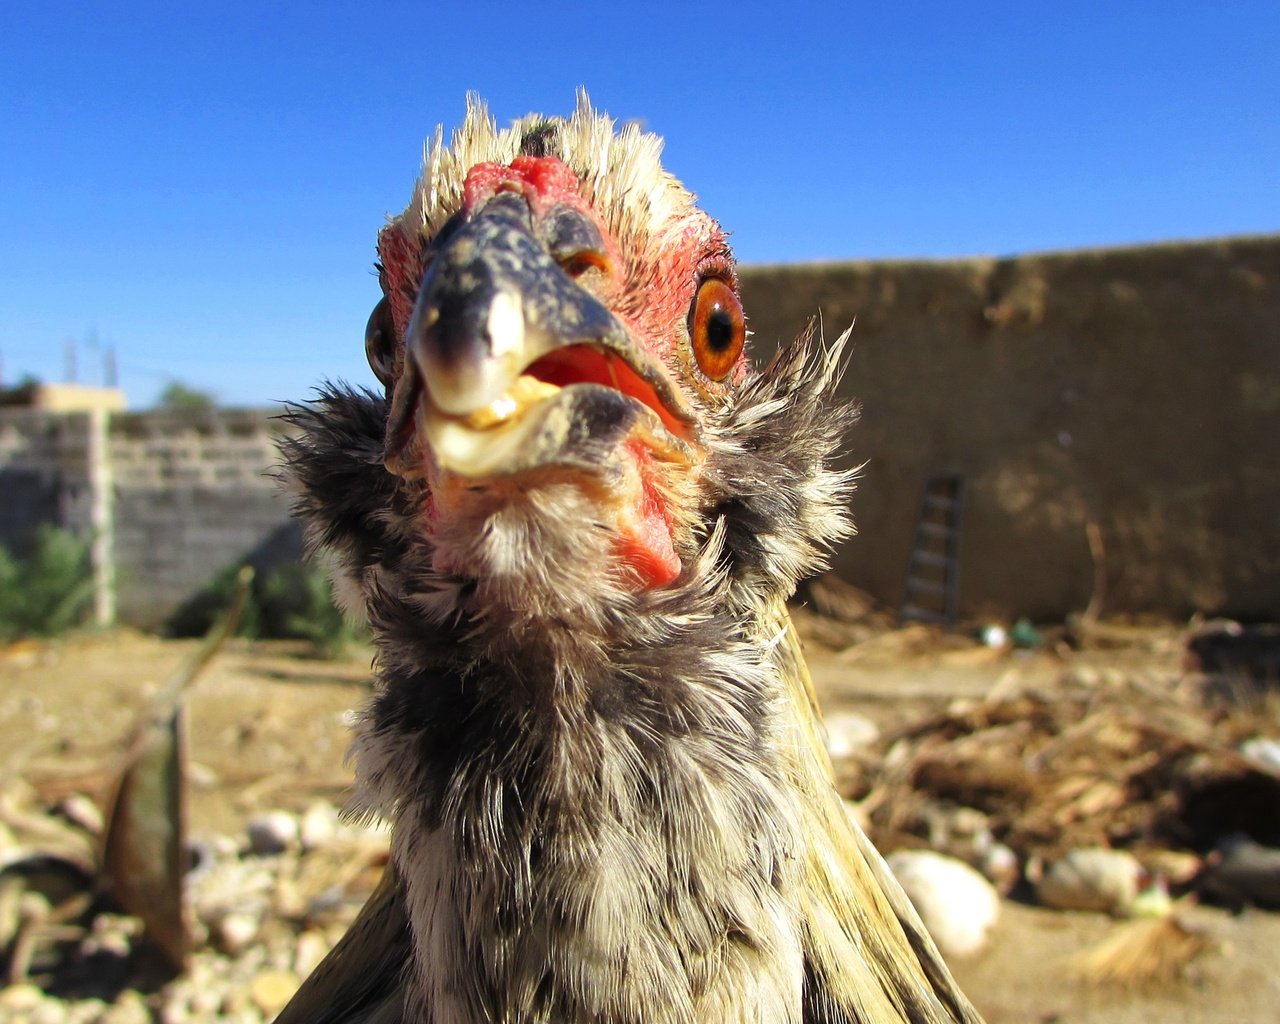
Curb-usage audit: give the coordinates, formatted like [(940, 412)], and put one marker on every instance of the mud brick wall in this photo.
[(1138, 388)]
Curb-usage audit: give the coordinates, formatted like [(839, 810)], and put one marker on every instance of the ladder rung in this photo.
[(934, 563), (919, 557)]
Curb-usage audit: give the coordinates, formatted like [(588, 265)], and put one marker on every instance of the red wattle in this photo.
[(644, 543)]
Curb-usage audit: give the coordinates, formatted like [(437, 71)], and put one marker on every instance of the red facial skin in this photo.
[(649, 286)]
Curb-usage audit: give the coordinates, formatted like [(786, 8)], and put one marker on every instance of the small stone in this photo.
[(288, 899), (957, 905), (319, 826), (1085, 676), (1264, 751), (993, 635), (968, 821), (110, 941), (1000, 866), (1242, 871), (270, 990), (234, 932), (129, 1008), (23, 996), (206, 1002), (1091, 878), (272, 832), (308, 951), (50, 1011), (86, 1011)]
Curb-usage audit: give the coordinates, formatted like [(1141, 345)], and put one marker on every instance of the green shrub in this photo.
[(198, 614), (290, 602), (48, 592), (297, 603)]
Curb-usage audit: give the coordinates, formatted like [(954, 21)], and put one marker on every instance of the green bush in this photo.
[(198, 614), (297, 603), (48, 592), (290, 602)]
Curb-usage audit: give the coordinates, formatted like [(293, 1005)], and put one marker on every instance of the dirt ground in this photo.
[(270, 727)]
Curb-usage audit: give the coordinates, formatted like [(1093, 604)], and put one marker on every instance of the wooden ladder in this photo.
[(934, 568)]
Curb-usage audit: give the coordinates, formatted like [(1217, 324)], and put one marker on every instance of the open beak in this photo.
[(511, 365)]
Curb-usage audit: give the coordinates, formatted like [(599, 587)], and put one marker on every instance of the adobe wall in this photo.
[(1136, 387)]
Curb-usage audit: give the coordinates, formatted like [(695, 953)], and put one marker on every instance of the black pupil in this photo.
[(719, 329)]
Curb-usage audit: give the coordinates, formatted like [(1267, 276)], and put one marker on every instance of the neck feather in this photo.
[(580, 803)]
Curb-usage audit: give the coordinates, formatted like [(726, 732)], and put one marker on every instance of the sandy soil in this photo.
[(269, 728)]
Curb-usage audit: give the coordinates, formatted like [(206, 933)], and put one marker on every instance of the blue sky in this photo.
[(198, 186)]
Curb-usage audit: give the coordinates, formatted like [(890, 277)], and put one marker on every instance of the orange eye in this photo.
[(717, 328)]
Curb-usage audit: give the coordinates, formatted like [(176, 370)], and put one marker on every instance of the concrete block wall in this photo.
[(192, 493), (44, 474)]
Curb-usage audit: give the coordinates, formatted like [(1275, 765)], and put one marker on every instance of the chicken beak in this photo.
[(492, 303)]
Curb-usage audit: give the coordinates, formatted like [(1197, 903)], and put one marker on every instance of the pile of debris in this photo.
[(1075, 783), (1099, 789), (1121, 763)]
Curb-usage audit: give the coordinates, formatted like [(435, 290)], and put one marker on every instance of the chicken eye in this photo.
[(380, 343), (717, 328)]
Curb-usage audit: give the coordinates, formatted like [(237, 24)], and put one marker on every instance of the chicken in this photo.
[(572, 522)]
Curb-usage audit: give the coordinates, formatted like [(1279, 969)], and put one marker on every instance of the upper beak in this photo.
[(492, 303)]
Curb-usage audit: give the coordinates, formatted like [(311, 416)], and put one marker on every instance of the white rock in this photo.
[(86, 1011), (994, 636), (21, 996), (957, 905), (318, 827), (234, 932), (129, 1008), (49, 1012), (1082, 675), (272, 832), (847, 733), (1264, 751), (1092, 878), (1000, 866), (310, 949)]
